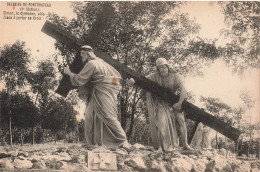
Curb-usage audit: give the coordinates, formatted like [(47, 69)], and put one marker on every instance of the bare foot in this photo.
[(187, 147), (159, 150), (170, 150), (126, 145)]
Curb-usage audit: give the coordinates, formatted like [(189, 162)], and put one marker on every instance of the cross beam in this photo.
[(74, 43), (192, 112)]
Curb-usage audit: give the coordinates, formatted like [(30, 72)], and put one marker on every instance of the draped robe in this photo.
[(99, 86), (161, 115), (201, 137)]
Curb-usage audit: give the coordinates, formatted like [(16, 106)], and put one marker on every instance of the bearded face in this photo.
[(163, 70)]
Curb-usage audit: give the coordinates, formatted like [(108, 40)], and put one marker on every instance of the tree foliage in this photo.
[(216, 106), (43, 80), (22, 110), (58, 115), (14, 61), (243, 18)]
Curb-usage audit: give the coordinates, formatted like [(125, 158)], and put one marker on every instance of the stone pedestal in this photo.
[(102, 161)]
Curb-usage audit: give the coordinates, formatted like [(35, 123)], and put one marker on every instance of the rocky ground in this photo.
[(75, 157)]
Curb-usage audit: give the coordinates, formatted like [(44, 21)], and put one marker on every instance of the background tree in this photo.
[(22, 110), (5, 113), (24, 113), (41, 81), (14, 61), (243, 19), (58, 115), (249, 102), (238, 111), (217, 108)]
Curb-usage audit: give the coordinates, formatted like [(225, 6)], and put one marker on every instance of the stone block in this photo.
[(102, 161)]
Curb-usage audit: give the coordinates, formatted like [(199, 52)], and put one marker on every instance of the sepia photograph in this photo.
[(170, 86)]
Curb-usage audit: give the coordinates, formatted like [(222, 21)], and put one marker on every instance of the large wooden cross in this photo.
[(192, 112)]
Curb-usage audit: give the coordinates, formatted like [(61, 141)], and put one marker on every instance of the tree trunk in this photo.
[(78, 131), (132, 114), (123, 112), (10, 130), (55, 137), (66, 126), (42, 136), (216, 140), (129, 134), (35, 115), (225, 142), (4, 139), (226, 146), (66, 136), (21, 136), (65, 133), (32, 135)]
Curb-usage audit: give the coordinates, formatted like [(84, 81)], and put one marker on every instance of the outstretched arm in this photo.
[(83, 76), (183, 93), (67, 71)]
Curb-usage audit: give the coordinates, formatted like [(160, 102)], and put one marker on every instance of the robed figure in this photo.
[(99, 85)]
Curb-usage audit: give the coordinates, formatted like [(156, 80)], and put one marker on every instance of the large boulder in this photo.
[(6, 163), (244, 166), (39, 165), (22, 163), (54, 164), (14, 153), (180, 164), (198, 166), (156, 166)]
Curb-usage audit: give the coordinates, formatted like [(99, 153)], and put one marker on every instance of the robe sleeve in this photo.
[(84, 76), (151, 100)]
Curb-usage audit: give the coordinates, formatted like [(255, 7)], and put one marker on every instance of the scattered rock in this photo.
[(14, 153), (54, 164), (101, 149), (39, 165), (61, 149), (221, 163), (127, 146), (138, 146), (243, 166), (76, 159), (181, 165), (210, 166), (198, 166), (120, 161), (4, 155), (255, 164), (65, 156), (6, 164), (25, 154), (136, 162), (122, 152), (22, 164), (136, 158), (156, 166)]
